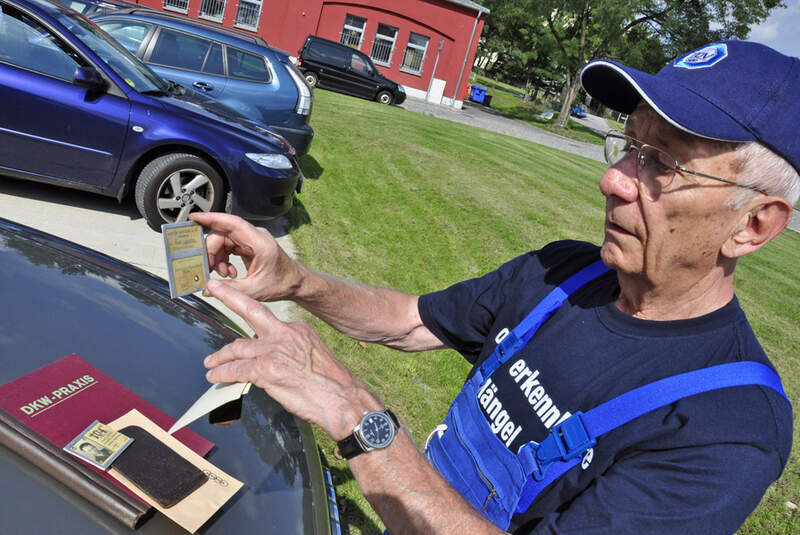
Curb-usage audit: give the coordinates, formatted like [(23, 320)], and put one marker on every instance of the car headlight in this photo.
[(400, 89), (273, 161)]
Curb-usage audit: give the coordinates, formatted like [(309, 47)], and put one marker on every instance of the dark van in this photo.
[(331, 65)]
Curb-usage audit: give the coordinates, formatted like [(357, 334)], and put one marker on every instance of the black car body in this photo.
[(331, 65), (60, 298)]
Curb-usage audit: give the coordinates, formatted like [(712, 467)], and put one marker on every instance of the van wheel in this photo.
[(172, 186), (384, 97), (311, 78)]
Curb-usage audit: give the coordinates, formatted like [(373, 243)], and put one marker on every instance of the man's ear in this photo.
[(764, 220)]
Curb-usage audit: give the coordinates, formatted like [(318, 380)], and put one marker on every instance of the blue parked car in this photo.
[(78, 110), (578, 111), (237, 69)]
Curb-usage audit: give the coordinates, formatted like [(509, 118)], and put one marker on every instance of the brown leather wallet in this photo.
[(156, 469)]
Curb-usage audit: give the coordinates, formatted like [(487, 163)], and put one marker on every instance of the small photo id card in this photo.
[(187, 262), (98, 445)]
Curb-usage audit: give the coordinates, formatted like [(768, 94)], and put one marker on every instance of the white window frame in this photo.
[(423, 49), (175, 5), (353, 29), (245, 26), (384, 38), (217, 18)]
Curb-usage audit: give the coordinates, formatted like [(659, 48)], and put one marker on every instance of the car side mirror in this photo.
[(89, 78)]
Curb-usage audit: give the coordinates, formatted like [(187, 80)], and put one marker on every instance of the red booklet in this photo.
[(61, 399)]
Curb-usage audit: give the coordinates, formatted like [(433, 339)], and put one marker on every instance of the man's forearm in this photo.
[(410, 496), (363, 312)]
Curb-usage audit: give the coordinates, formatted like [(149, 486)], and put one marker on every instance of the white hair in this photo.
[(766, 170)]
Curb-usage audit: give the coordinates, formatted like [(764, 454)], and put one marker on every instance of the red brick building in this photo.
[(407, 39)]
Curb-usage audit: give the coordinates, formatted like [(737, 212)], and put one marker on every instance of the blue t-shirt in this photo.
[(700, 465)]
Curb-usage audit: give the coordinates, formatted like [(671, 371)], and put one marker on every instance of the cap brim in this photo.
[(621, 88)]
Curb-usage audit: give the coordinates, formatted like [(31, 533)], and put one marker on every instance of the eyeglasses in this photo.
[(655, 168)]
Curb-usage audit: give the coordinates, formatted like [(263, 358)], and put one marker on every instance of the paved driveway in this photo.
[(489, 119)]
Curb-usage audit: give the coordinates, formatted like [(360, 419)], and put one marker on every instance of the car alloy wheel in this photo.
[(384, 97), (311, 78), (172, 186)]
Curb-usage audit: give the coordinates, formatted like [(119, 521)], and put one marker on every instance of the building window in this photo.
[(383, 45), (212, 10), (247, 14), (182, 6), (353, 31), (415, 53)]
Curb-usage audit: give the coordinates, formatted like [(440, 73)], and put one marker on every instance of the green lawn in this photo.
[(400, 199)]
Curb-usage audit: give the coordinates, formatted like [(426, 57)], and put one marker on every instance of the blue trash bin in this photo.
[(476, 93)]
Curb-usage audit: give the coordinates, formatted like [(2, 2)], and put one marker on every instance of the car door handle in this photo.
[(204, 86)]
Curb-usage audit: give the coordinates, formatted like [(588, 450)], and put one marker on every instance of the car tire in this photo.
[(201, 188), (385, 97), (311, 78)]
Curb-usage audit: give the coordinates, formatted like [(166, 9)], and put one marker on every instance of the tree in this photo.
[(519, 46), (587, 29), (556, 38)]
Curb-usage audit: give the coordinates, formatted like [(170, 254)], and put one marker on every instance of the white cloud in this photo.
[(764, 32), (779, 30)]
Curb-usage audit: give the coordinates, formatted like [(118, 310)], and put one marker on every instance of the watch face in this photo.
[(377, 430)]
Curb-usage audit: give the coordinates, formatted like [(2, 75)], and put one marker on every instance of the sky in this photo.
[(781, 30)]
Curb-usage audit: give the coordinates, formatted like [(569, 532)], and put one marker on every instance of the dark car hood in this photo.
[(58, 299), (194, 102)]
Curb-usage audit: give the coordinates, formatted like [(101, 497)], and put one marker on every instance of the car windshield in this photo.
[(134, 72)]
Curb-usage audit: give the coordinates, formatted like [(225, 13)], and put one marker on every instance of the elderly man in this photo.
[(617, 389)]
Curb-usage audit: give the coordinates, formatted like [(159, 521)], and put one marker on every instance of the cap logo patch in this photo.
[(704, 57)]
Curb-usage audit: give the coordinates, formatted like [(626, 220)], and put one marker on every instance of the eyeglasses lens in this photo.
[(654, 167), (616, 148)]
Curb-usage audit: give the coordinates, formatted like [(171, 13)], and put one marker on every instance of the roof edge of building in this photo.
[(472, 5)]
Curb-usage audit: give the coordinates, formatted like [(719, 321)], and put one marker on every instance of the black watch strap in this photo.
[(394, 419), (350, 446)]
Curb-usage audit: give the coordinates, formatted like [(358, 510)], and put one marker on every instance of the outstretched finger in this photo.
[(254, 313), (236, 371), (227, 353)]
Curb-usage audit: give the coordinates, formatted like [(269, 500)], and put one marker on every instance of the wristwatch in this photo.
[(376, 431)]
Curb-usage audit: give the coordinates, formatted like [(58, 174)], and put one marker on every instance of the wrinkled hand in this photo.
[(292, 364), (271, 274)]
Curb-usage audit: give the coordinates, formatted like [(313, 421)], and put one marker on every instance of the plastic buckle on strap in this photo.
[(567, 440), (510, 344)]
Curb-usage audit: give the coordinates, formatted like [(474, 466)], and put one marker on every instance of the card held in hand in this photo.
[(187, 262)]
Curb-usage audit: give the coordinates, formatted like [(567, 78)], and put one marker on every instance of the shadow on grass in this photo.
[(297, 216), (584, 133), (310, 167), (525, 113), (350, 512)]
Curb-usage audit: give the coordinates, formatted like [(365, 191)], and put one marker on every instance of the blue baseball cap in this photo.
[(728, 91)]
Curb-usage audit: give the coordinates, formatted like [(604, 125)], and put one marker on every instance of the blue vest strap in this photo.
[(566, 443), (553, 301), (523, 332)]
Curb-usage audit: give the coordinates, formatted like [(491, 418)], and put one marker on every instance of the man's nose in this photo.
[(620, 180)]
